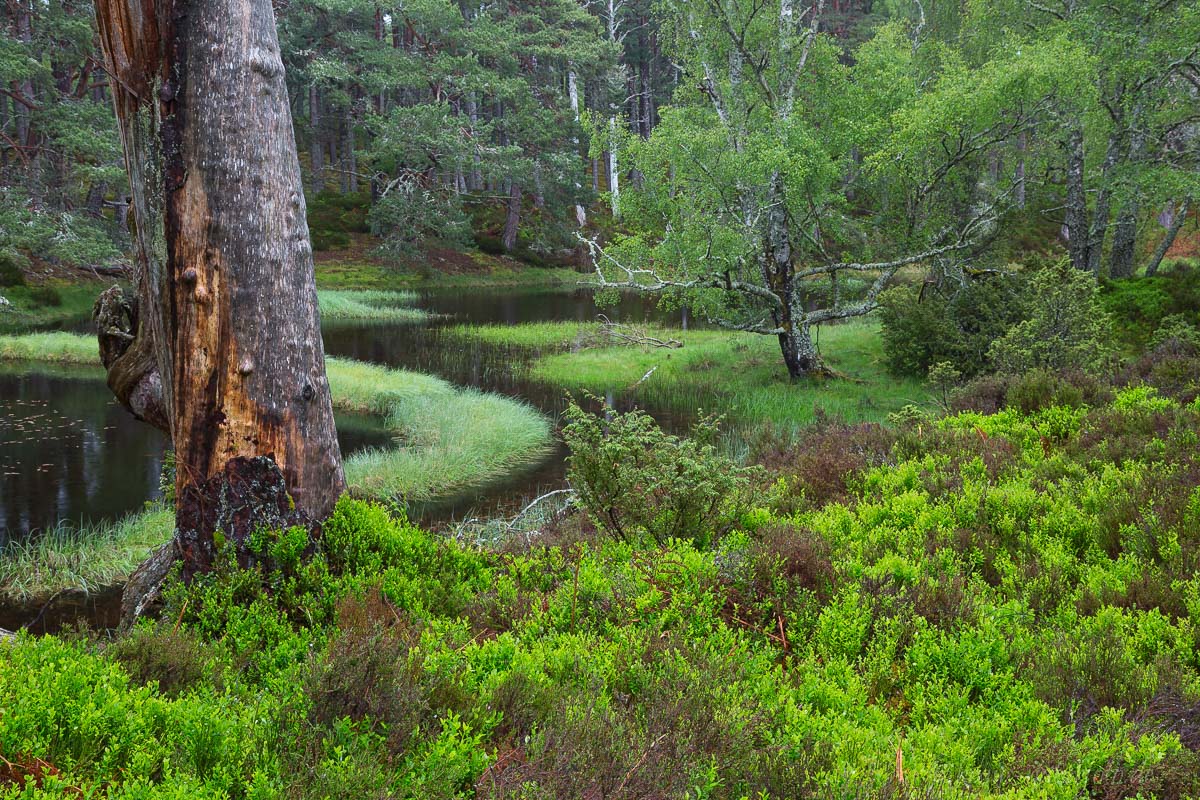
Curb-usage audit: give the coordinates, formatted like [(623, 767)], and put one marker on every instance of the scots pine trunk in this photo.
[(225, 326)]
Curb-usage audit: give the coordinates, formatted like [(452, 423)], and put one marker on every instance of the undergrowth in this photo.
[(985, 605)]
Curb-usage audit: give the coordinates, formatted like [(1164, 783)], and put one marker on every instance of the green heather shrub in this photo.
[(632, 478), (952, 323), (1067, 327), (1037, 389)]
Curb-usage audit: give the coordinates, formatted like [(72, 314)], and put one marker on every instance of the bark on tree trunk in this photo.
[(1075, 219), (799, 353), (1164, 246), (1019, 191), (1121, 261), (512, 219), (228, 309), (317, 145)]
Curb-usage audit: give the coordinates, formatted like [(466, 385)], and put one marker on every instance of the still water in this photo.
[(69, 453)]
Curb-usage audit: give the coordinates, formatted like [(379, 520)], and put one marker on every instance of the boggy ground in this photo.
[(999, 603), (736, 374)]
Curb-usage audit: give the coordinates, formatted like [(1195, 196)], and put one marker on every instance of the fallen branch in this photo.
[(631, 335)]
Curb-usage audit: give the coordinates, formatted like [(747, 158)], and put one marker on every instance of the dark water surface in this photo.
[(70, 454)]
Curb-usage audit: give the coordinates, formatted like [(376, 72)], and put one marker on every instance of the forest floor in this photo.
[(979, 606)]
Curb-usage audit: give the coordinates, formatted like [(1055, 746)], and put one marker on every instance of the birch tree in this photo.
[(784, 190)]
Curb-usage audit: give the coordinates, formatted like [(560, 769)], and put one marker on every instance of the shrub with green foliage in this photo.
[(950, 323), (1141, 306), (1067, 327), (633, 479)]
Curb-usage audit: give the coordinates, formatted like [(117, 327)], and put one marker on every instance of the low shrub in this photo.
[(949, 322), (632, 478), (820, 464), (1066, 327), (172, 659)]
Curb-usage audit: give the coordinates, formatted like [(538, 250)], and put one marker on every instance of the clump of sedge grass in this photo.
[(85, 559), (344, 305)]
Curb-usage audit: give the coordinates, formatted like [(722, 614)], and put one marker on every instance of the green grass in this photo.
[(740, 375), (56, 347), (372, 305), (485, 272), (451, 440), (82, 559), (534, 335), (25, 312)]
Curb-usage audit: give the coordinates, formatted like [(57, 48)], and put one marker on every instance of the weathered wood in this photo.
[(128, 356), (226, 293)]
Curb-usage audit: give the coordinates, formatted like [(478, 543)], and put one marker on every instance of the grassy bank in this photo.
[(737, 374), (449, 270), (355, 306), (46, 306), (991, 606), (82, 559), (53, 347), (337, 306), (452, 440)]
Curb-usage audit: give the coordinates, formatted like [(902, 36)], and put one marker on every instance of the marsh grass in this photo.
[(84, 559), (450, 440), (739, 375), (532, 335), (344, 305), (55, 347)]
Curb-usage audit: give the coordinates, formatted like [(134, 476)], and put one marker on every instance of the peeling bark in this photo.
[(226, 314)]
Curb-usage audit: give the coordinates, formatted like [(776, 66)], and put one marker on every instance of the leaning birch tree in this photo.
[(221, 345), (784, 189)]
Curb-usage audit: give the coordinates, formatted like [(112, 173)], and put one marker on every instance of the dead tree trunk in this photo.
[(227, 306)]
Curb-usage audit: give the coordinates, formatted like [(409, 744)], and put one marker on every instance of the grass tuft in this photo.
[(343, 305), (451, 440), (83, 559), (57, 347)]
